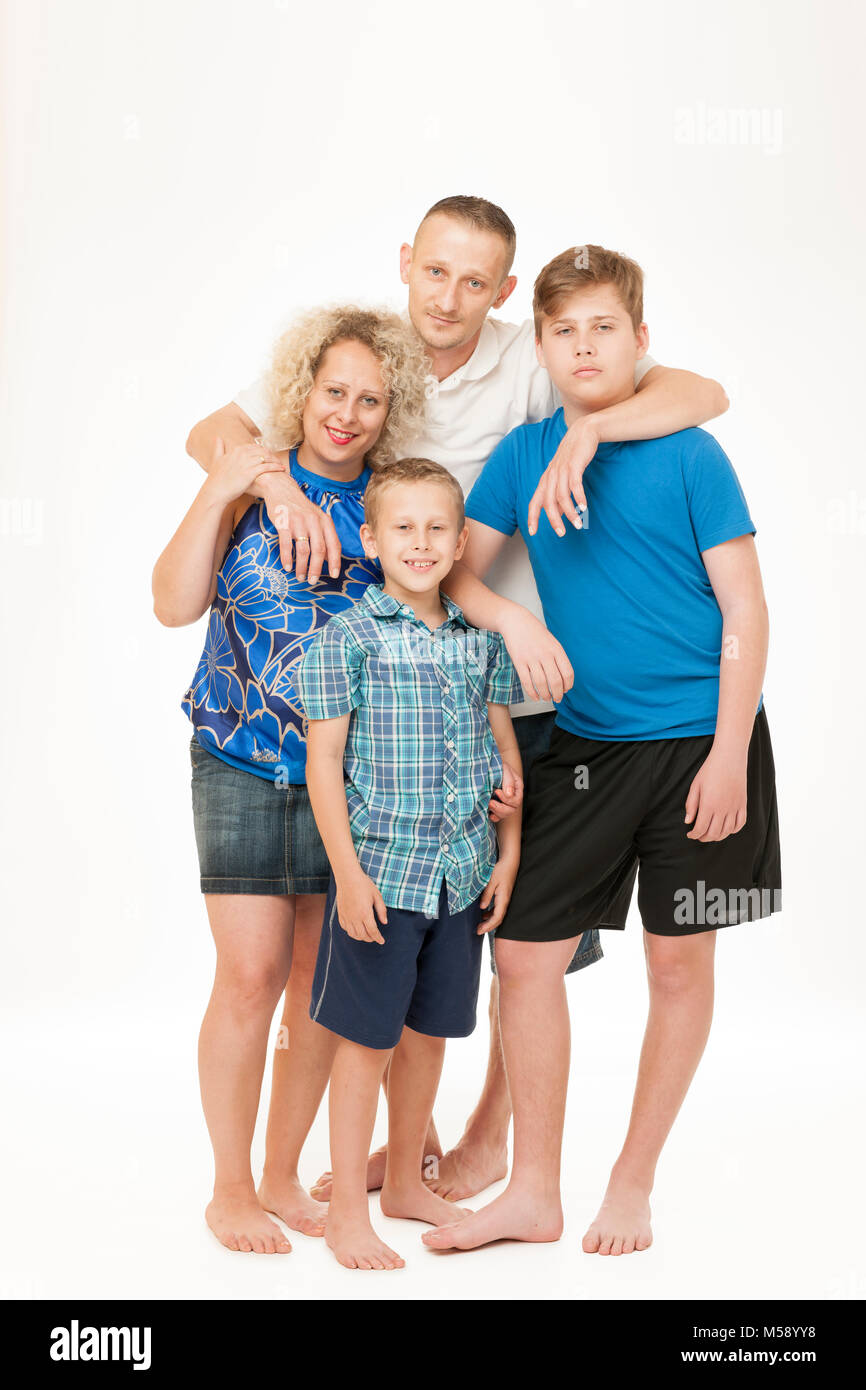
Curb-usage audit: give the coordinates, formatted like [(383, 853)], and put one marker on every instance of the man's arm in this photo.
[(544, 670), (306, 534), (717, 797), (666, 400)]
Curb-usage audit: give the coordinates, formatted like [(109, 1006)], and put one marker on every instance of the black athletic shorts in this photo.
[(595, 812)]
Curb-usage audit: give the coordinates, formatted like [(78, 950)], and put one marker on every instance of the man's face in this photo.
[(590, 346), (418, 536), (456, 274)]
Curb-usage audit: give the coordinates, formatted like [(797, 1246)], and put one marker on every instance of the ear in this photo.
[(642, 336), (461, 542), (505, 289), (405, 261), (539, 353), (368, 541)]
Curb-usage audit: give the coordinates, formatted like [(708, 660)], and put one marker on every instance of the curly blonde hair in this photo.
[(392, 340)]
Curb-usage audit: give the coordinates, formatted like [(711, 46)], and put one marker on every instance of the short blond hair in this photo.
[(479, 213), (415, 470), (392, 340), (579, 267)]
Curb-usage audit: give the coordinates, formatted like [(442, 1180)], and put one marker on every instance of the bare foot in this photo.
[(291, 1203), (239, 1223), (418, 1203), (513, 1216), (623, 1221), (467, 1169), (356, 1245), (321, 1190)]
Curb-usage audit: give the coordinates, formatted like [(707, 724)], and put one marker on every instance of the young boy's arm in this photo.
[(501, 882), (665, 401), (717, 797), (359, 901), (544, 669)]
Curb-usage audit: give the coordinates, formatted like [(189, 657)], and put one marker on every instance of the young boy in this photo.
[(660, 756), (410, 705)]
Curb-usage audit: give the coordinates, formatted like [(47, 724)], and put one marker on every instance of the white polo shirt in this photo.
[(500, 387)]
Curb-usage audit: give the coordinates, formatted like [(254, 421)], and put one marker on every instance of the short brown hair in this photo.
[(580, 266), (410, 471), (478, 212)]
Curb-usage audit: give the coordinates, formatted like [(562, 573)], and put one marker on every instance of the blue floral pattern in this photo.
[(242, 699)]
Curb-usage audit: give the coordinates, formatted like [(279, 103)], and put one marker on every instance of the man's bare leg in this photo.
[(253, 937), (355, 1079), (301, 1066), (413, 1079), (377, 1160), (536, 1040), (481, 1156), (680, 977)]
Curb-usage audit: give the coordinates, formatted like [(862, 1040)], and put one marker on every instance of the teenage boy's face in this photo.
[(456, 274), (417, 536), (590, 346), (347, 406)]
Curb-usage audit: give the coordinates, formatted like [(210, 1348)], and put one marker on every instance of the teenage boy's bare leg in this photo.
[(376, 1161), (253, 937), (481, 1155), (413, 1079), (536, 1040), (680, 976), (355, 1079), (301, 1066)]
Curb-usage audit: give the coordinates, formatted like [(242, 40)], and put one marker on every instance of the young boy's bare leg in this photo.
[(481, 1156), (680, 976), (413, 1079), (536, 1039), (376, 1161), (355, 1079), (253, 936), (301, 1066)]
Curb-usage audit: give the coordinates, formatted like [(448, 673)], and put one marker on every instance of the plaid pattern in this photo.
[(421, 761)]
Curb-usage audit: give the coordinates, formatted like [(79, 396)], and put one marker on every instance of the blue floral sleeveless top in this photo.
[(242, 700)]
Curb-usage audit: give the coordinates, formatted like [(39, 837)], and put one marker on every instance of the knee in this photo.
[(676, 965), (252, 988)]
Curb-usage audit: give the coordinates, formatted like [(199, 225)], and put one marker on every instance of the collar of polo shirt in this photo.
[(386, 606), (483, 360)]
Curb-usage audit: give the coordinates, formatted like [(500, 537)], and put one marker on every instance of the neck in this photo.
[(427, 606), (577, 410), (444, 361), (340, 473)]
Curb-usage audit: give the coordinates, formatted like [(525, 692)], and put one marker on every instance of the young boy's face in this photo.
[(590, 346), (418, 535)]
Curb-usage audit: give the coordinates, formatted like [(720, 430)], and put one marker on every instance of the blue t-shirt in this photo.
[(242, 699), (629, 597)]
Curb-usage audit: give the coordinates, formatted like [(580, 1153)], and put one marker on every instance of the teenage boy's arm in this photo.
[(359, 901), (666, 400), (544, 670), (291, 511), (501, 882), (717, 797)]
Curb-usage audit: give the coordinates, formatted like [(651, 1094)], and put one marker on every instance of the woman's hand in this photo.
[(233, 472), (497, 894), (507, 798)]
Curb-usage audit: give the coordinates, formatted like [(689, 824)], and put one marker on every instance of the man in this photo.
[(485, 380)]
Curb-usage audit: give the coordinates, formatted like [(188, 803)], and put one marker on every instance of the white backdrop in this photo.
[(179, 178)]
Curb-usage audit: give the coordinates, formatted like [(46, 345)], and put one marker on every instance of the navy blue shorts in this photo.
[(425, 976)]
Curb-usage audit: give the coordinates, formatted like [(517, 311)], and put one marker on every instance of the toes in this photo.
[(628, 1245), (230, 1241), (244, 1244), (616, 1245), (284, 1246), (643, 1242), (591, 1242)]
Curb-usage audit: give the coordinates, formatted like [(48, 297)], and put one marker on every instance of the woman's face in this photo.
[(347, 406)]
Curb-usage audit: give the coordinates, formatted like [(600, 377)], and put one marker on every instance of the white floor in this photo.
[(758, 1193)]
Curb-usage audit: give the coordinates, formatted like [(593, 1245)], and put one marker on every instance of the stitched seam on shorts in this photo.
[(315, 1014)]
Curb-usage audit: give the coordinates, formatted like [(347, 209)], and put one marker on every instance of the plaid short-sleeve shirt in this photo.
[(421, 761)]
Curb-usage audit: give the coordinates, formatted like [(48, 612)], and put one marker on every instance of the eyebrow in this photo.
[(368, 390), (473, 274), (438, 516), (596, 318)]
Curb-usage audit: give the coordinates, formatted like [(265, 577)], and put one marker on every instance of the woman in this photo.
[(347, 387)]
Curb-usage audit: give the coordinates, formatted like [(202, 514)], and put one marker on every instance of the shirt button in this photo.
[(449, 743), (450, 796)]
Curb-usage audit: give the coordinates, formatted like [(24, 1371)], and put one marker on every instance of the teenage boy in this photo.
[(661, 753), (485, 379), (410, 705)]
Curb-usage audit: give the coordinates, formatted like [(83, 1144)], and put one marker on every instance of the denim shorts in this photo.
[(253, 836), (533, 732)]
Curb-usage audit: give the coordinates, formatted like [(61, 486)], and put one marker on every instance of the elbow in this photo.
[(193, 441), (167, 617), (719, 401)]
